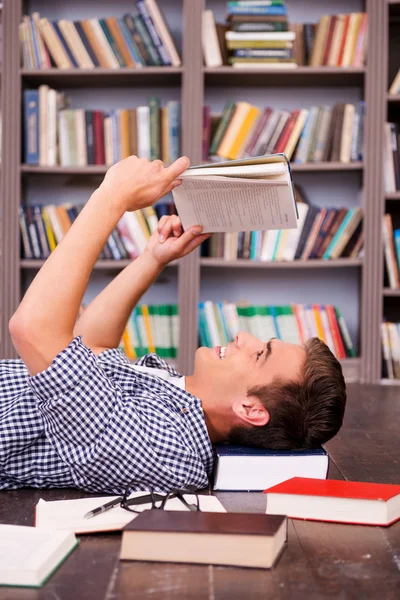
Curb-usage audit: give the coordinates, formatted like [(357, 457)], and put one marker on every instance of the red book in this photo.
[(336, 501), (345, 32), (335, 331), (98, 134), (285, 135), (329, 40)]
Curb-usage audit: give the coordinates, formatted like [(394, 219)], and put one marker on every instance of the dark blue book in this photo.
[(86, 43), (242, 468), (153, 32), (90, 137), (31, 126), (64, 43)]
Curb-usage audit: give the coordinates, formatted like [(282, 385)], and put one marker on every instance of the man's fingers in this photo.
[(186, 238), (162, 222), (173, 171), (171, 225), (199, 239)]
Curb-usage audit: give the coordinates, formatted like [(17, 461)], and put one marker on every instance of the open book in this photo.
[(69, 514), (253, 194)]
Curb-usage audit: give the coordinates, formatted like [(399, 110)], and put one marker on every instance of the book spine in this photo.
[(257, 10), (86, 43), (65, 45), (132, 45), (174, 120), (31, 110), (98, 138), (90, 138), (155, 145), (148, 21), (139, 30), (113, 45)]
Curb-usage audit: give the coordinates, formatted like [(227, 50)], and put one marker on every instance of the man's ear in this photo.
[(250, 410)]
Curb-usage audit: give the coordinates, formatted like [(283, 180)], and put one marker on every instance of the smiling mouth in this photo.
[(222, 352)]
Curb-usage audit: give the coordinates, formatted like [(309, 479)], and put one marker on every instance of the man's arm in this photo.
[(44, 322), (102, 323)]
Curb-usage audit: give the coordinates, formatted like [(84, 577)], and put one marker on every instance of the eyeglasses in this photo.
[(157, 500)]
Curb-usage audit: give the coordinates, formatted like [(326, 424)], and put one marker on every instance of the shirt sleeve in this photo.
[(104, 432)]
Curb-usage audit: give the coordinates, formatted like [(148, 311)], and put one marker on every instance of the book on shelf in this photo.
[(335, 501), (68, 515), (220, 322), (29, 556), (394, 89), (152, 328), (322, 233), (237, 539), (42, 227), (318, 134), (390, 337), (391, 157), (224, 197), (391, 245), (213, 41), (58, 135), (255, 469), (133, 40)]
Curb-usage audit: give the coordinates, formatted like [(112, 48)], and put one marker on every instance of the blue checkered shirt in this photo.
[(94, 423)]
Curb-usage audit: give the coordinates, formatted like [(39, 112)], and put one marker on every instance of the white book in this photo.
[(307, 135), (347, 133), (209, 38), (65, 159), (327, 330), (251, 194), (143, 131), (105, 46), (51, 128), (387, 356), (279, 36), (81, 146), (389, 174), (269, 243), (231, 318), (28, 556), (211, 323), (108, 144), (43, 125), (395, 87), (163, 32), (135, 230), (255, 469), (292, 240), (68, 515), (55, 222)]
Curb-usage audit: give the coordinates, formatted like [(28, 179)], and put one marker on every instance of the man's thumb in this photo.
[(177, 168)]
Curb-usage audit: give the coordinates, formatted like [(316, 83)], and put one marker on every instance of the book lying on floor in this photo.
[(28, 557), (69, 514), (337, 501), (239, 195), (254, 469), (237, 539)]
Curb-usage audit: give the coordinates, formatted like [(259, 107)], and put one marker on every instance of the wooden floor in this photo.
[(321, 560)]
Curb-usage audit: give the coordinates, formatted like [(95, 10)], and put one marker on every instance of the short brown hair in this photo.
[(303, 414)]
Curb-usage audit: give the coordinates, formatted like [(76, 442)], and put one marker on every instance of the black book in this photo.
[(310, 218), (309, 35)]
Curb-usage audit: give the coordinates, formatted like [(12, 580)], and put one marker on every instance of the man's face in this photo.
[(247, 362)]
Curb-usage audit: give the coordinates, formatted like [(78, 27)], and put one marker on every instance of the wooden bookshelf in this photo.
[(300, 76), (242, 263), (389, 293), (150, 76), (327, 166), (393, 99), (393, 196)]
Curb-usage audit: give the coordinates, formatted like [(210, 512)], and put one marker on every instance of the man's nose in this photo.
[(245, 339)]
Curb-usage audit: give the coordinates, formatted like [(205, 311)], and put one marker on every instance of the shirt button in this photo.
[(185, 410)]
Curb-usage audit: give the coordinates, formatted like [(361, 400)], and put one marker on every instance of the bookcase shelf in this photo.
[(393, 196), (300, 76), (152, 76), (109, 265), (351, 369), (242, 263), (388, 292), (101, 169), (394, 99)]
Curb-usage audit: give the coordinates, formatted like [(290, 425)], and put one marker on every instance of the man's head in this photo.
[(273, 395)]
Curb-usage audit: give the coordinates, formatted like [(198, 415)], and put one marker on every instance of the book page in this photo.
[(264, 170), (27, 546), (69, 514), (222, 204)]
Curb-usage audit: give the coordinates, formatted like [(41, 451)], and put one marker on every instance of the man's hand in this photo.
[(135, 183)]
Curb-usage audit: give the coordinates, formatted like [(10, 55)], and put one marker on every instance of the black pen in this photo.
[(101, 509)]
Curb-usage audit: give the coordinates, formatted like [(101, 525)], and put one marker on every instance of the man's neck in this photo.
[(217, 423)]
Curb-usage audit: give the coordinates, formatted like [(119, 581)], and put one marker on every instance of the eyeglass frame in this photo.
[(154, 497)]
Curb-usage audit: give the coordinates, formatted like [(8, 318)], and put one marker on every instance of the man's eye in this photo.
[(260, 354)]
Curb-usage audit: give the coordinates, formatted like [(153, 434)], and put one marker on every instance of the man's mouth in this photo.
[(222, 351)]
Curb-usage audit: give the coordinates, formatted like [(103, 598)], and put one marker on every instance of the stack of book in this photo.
[(390, 335), (336, 41), (152, 328), (391, 244), (43, 227), (133, 41), (219, 324), (258, 35), (318, 134), (392, 158), (57, 135), (322, 233)]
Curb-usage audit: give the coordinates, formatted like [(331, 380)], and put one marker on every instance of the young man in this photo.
[(75, 412)]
